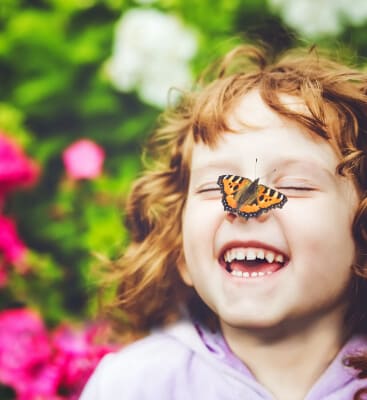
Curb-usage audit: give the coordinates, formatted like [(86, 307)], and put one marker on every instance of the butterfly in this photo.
[(248, 198)]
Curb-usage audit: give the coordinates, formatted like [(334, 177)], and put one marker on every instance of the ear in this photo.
[(183, 271)]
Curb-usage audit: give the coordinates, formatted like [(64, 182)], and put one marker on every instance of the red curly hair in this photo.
[(150, 290)]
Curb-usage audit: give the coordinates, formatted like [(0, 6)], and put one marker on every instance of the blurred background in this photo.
[(81, 85)]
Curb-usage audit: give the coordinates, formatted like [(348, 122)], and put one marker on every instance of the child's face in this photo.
[(312, 232)]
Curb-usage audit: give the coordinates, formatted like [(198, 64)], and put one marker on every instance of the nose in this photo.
[(232, 217)]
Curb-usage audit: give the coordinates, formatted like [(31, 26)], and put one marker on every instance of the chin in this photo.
[(253, 323)]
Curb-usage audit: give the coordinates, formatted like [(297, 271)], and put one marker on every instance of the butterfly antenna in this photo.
[(262, 177), (267, 174)]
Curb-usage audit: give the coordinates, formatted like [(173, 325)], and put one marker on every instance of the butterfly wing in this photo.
[(232, 186), (248, 199), (266, 199)]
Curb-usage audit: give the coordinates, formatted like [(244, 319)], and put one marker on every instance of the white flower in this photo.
[(151, 54), (321, 17)]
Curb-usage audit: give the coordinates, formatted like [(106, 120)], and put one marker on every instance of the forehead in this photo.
[(251, 112), (261, 134)]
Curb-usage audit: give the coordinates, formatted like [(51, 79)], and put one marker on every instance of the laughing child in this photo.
[(251, 288)]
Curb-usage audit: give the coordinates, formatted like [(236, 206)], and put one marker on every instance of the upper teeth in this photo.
[(252, 254)]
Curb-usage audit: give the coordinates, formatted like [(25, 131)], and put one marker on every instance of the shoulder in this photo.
[(157, 361), (158, 348)]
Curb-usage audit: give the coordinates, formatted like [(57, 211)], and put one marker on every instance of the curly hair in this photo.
[(150, 290)]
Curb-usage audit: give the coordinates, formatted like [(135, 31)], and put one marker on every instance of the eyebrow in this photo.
[(311, 169), (278, 165), (310, 165), (215, 165)]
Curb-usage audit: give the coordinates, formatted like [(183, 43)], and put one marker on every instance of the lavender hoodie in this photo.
[(187, 362)]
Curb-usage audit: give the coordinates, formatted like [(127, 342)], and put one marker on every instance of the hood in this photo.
[(338, 382)]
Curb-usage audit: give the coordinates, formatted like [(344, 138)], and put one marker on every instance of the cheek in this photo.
[(200, 221), (320, 232)]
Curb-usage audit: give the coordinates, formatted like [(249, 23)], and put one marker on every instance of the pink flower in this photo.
[(40, 366), (15, 168), (77, 355), (12, 248), (83, 159), (41, 384), (25, 353)]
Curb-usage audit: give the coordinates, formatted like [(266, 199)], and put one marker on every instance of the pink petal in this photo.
[(11, 246), (83, 159), (16, 169)]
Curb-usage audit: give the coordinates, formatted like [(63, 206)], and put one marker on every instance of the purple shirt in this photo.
[(187, 362)]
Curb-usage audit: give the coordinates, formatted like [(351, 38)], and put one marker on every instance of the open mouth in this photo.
[(250, 263)]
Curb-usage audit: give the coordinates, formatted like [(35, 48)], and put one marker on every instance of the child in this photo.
[(245, 300)]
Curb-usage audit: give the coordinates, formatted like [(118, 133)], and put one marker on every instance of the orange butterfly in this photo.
[(248, 198)]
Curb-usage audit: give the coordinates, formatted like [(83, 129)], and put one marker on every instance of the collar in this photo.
[(337, 375)]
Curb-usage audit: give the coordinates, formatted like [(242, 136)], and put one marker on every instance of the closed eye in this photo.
[(297, 191), (214, 189), (301, 188), (209, 192)]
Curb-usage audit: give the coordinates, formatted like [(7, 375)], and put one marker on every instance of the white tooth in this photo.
[(253, 274), (240, 254), (250, 254), (269, 257), (226, 258), (261, 273), (232, 254), (269, 272), (246, 275), (279, 258), (236, 273), (260, 254)]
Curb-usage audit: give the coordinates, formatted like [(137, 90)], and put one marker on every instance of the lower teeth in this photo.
[(249, 275)]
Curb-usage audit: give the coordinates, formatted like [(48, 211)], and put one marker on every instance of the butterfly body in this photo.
[(249, 195), (248, 198)]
